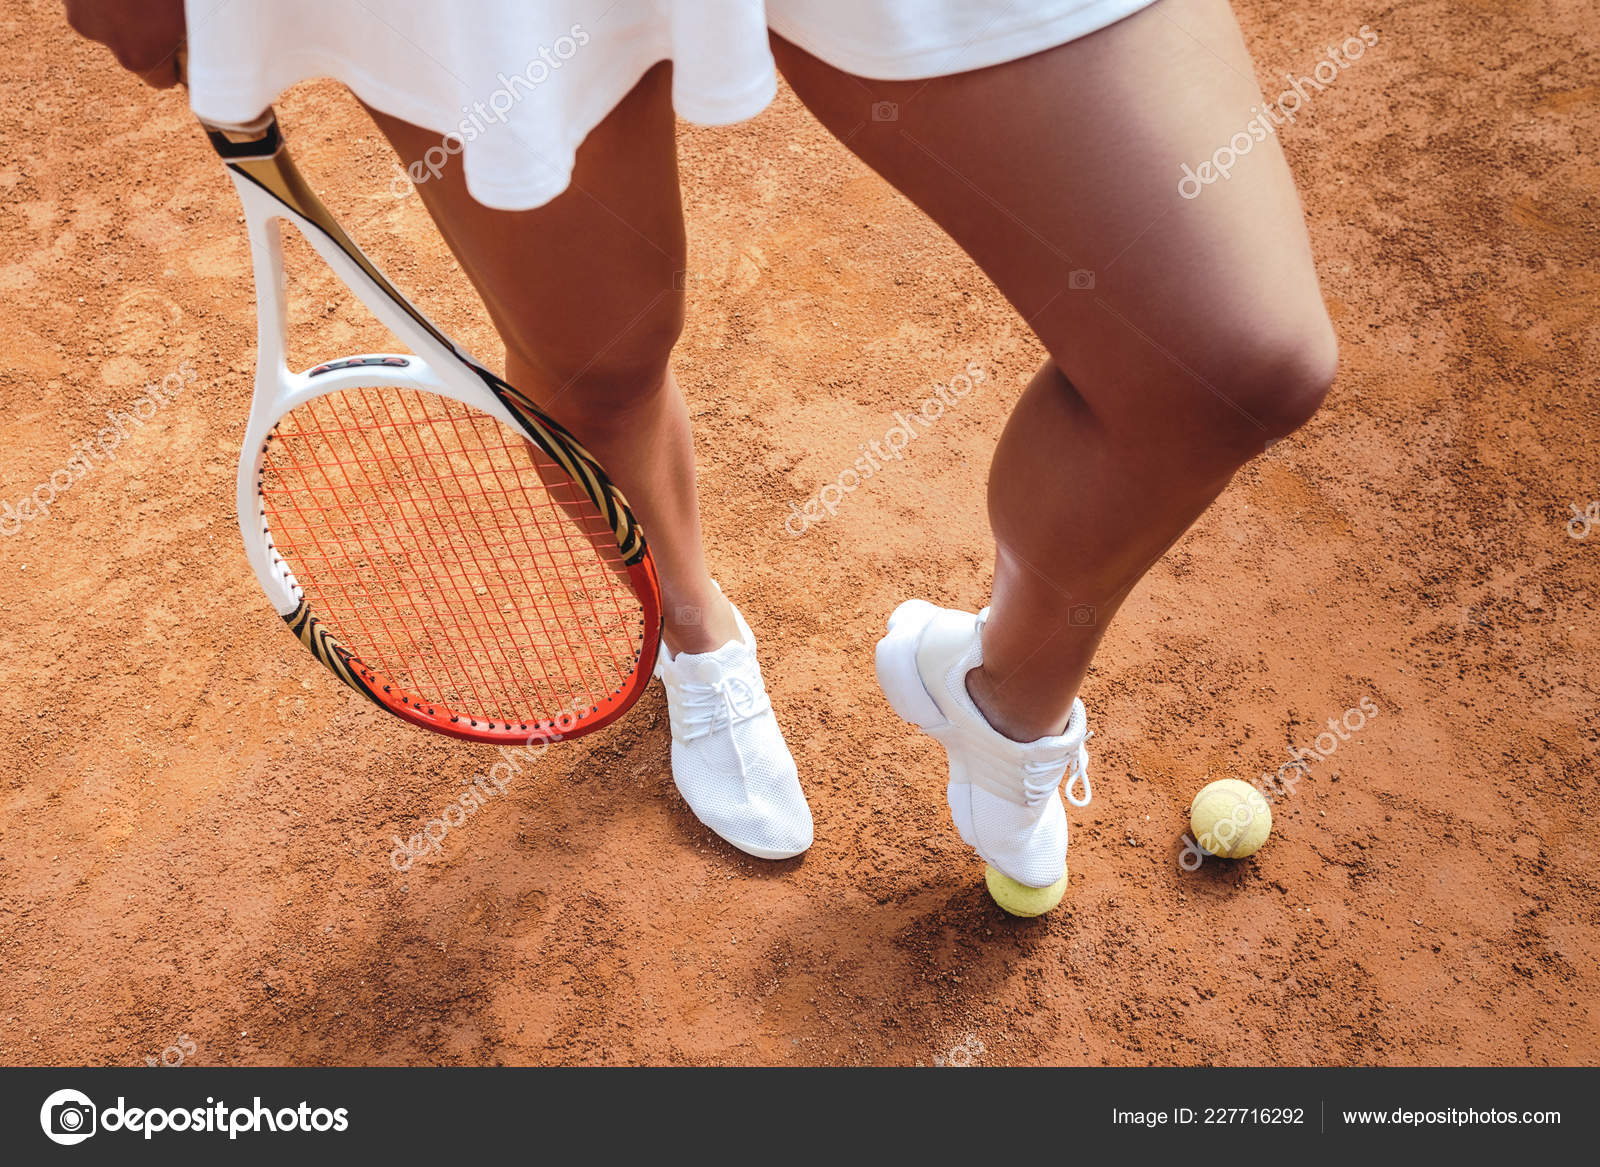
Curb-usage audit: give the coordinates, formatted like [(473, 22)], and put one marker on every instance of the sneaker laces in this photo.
[(1040, 778), (722, 702)]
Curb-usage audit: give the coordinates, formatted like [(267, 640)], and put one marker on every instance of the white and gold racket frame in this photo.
[(272, 191)]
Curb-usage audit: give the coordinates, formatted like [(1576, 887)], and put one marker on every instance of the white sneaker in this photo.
[(1002, 793), (728, 756)]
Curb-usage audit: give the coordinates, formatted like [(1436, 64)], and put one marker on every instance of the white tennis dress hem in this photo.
[(996, 44), (433, 64)]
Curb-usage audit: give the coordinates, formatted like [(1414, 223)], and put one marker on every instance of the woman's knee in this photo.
[(1219, 403), (602, 372), (1282, 378)]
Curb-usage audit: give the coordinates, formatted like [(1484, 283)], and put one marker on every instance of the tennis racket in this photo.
[(446, 549)]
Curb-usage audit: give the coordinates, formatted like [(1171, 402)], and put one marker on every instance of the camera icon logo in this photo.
[(68, 1117), (886, 111), (1081, 615), (1080, 280)]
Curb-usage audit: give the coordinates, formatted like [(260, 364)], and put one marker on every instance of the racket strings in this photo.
[(451, 555), (492, 649), (351, 576), (485, 649), (577, 506), (336, 569)]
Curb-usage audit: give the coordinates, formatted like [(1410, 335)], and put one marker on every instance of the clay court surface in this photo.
[(198, 821)]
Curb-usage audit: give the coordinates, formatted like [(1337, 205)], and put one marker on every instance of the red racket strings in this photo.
[(450, 554)]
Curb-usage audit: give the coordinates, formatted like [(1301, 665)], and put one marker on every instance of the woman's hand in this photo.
[(144, 34)]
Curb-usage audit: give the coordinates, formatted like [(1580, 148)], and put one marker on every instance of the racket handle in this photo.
[(235, 141)]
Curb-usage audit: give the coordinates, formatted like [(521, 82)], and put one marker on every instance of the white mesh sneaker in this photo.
[(1003, 794), (729, 759)]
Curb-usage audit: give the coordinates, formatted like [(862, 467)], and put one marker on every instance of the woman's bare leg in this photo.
[(1184, 334), (587, 293)]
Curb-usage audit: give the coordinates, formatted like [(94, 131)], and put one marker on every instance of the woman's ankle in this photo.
[(1020, 721), (698, 621)]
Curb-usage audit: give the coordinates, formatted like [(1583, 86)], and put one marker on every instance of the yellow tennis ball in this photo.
[(1021, 900), (1230, 819)]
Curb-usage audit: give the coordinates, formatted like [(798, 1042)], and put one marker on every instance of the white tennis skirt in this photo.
[(515, 85)]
